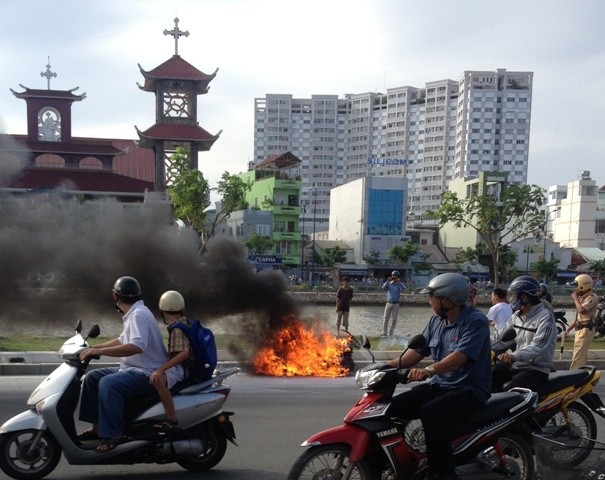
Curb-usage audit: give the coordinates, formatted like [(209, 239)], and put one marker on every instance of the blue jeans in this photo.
[(103, 395)]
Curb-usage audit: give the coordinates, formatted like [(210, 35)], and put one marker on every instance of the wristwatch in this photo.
[(431, 370)]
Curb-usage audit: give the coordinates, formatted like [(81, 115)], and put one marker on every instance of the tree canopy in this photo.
[(517, 214), (259, 244), (190, 194)]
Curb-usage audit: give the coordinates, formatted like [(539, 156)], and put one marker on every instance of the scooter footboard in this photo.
[(358, 438)]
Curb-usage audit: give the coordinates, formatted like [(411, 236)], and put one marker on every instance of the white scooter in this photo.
[(31, 442)]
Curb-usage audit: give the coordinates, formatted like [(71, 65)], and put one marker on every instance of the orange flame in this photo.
[(297, 350)]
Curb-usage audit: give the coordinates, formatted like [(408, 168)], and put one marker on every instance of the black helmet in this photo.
[(127, 287), (524, 284), (449, 285)]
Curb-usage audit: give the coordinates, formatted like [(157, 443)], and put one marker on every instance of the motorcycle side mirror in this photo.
[(415, 342), (79, 326), (94, 332), (365, 342)]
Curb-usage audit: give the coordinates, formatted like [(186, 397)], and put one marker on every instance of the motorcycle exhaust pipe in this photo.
[(191, 447)]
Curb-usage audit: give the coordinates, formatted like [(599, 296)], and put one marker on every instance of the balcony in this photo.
[(286, 210)]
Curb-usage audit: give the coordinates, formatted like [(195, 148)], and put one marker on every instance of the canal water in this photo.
[(363, 320)]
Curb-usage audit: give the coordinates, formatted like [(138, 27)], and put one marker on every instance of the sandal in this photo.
[(108, 444), (167, 426), (88, 435)]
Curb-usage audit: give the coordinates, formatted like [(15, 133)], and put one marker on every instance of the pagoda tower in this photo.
[(176, 84), (49, 128)]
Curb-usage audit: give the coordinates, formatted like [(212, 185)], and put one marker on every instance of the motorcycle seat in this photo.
[(497, 406), (566, 378)]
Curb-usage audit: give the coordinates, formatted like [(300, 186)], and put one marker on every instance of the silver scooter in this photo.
[(31, 442)]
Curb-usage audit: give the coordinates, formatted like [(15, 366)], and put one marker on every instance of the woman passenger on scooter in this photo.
[(458, 340), (534, 324)]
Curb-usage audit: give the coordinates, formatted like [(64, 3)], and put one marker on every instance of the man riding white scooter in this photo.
[(141, 351)]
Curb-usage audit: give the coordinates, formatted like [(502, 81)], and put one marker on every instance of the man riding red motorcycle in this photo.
[(458, 340)]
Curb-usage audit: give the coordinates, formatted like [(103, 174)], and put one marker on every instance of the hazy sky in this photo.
[(311, 47)]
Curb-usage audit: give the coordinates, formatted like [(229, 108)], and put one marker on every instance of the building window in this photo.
[(385, 212)]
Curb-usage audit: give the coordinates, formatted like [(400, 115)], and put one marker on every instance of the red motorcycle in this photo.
[(493, 443)]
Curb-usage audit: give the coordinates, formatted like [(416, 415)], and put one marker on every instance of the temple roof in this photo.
[(44, 93), (84, 146), (177, 132), (176, 68), (78, 180)]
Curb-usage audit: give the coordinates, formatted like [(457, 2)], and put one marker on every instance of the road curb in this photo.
[(42, 363)]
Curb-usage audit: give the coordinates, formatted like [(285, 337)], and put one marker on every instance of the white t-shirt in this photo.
[(500, 314)]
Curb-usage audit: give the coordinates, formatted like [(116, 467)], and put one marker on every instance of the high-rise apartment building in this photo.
[(429, 135)]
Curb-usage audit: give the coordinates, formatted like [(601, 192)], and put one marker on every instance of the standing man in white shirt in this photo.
[(500, 312)]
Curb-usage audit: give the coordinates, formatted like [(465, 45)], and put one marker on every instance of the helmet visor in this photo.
[(512, 297)]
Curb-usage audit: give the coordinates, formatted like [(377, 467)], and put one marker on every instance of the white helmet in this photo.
[(172, 301), (583, 283)]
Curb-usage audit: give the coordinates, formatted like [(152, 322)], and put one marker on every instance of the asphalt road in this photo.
[(272, 418)]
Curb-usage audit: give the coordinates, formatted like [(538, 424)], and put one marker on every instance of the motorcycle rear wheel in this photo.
[(17, 463), (215, 446), (326, 462), (581, 433)]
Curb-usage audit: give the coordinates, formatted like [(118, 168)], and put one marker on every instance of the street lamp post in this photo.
[(528, 249), (302, 241), (313, 249)]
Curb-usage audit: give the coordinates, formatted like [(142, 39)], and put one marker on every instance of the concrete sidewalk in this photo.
[(42, 363)]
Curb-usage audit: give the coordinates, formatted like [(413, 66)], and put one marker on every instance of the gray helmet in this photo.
[(449, 285), (395, 273)]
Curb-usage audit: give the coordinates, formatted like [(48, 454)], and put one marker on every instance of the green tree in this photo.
[(373, 258), (402, 253), (331, 256), (546, 269), (599, 267), (517, 214), (190, 193), (259, 244), (506, 264), (467, 254), (232, 191)]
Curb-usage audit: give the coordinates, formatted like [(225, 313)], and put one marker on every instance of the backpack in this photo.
[(204, 349)]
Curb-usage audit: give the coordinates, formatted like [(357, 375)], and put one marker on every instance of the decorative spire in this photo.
[(48, 74), (176, 33)]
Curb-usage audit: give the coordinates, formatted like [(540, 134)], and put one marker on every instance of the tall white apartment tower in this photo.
[(448, 129), (313, 130), (493, 120)]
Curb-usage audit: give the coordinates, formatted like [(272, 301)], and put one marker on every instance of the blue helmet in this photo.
[(525, 284)]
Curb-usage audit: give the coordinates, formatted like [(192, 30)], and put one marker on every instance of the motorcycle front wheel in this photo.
[(215, 446), (327, 462), (17, 461), (576, 427), (516, 452)]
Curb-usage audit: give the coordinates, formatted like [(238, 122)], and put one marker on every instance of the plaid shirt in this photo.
[(178, 342)]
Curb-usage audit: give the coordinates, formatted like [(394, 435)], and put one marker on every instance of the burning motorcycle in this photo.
[(491, 444), (31, 443)]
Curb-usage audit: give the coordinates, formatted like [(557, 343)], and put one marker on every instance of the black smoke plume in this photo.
[(60, 256)]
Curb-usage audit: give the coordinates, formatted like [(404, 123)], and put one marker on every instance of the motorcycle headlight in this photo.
[(365, 379)]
